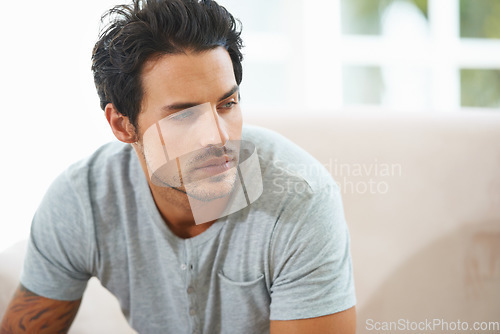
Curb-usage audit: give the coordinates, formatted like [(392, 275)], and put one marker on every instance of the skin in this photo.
[(187, 79), (197, 78), (338, 323), (30, 313)]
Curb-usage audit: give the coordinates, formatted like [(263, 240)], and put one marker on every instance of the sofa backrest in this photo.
[(421, 196)]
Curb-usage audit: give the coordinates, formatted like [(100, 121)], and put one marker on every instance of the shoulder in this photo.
[(62, 242), (74, 191), (108, 167), (113, 156), (298, 192), (285, 164)]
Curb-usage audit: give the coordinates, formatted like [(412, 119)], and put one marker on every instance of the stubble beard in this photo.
[(214, 187), (205, 190)]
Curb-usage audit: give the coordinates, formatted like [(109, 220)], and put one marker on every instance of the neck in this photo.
[(175, 209)]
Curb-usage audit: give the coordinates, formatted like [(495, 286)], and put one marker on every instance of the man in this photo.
[(196, 223)]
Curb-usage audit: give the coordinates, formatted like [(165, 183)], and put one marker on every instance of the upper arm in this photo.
[(311, 263), (60, 252), (30, 313), (342, 322)]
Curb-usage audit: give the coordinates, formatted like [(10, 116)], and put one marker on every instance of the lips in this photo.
[(214, 162), (216, 165)]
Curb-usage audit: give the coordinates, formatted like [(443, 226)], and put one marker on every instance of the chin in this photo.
[(214, 187)]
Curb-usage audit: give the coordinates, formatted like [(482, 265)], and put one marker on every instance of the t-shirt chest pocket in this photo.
[(244, 305)]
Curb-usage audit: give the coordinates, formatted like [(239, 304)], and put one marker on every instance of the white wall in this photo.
[(294, 58), (50, 111)]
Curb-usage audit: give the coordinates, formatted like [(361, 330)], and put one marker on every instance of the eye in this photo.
[(228, 105)]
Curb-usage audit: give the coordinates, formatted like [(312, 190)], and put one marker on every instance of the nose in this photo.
[(215, 134)]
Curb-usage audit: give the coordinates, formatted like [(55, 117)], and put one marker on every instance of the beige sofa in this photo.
[(422, 200)]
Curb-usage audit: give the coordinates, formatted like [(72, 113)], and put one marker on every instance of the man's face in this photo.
[(190, 123)]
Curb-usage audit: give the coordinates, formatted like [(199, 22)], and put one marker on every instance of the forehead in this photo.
[(187, 77)]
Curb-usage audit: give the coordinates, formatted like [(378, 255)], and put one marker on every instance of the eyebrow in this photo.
[(180, 106)]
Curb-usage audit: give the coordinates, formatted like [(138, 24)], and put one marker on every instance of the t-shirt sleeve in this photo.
[(57, 262), (310, 257)]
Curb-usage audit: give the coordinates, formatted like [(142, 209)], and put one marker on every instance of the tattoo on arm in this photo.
[(31, 313)]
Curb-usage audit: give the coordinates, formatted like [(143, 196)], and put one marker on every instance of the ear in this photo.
[(120, 125)]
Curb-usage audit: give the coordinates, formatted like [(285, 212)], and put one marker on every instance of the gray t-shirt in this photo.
[(284, 257)]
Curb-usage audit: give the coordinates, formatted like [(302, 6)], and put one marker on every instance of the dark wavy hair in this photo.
[(148, 28)]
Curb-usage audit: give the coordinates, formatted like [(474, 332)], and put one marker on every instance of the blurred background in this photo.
[(370, 84), (319, 57), (406, 55)]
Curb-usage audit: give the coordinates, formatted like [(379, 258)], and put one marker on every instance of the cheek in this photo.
[(233, 122)]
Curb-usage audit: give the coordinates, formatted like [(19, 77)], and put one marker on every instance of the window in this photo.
[(401, 55)]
